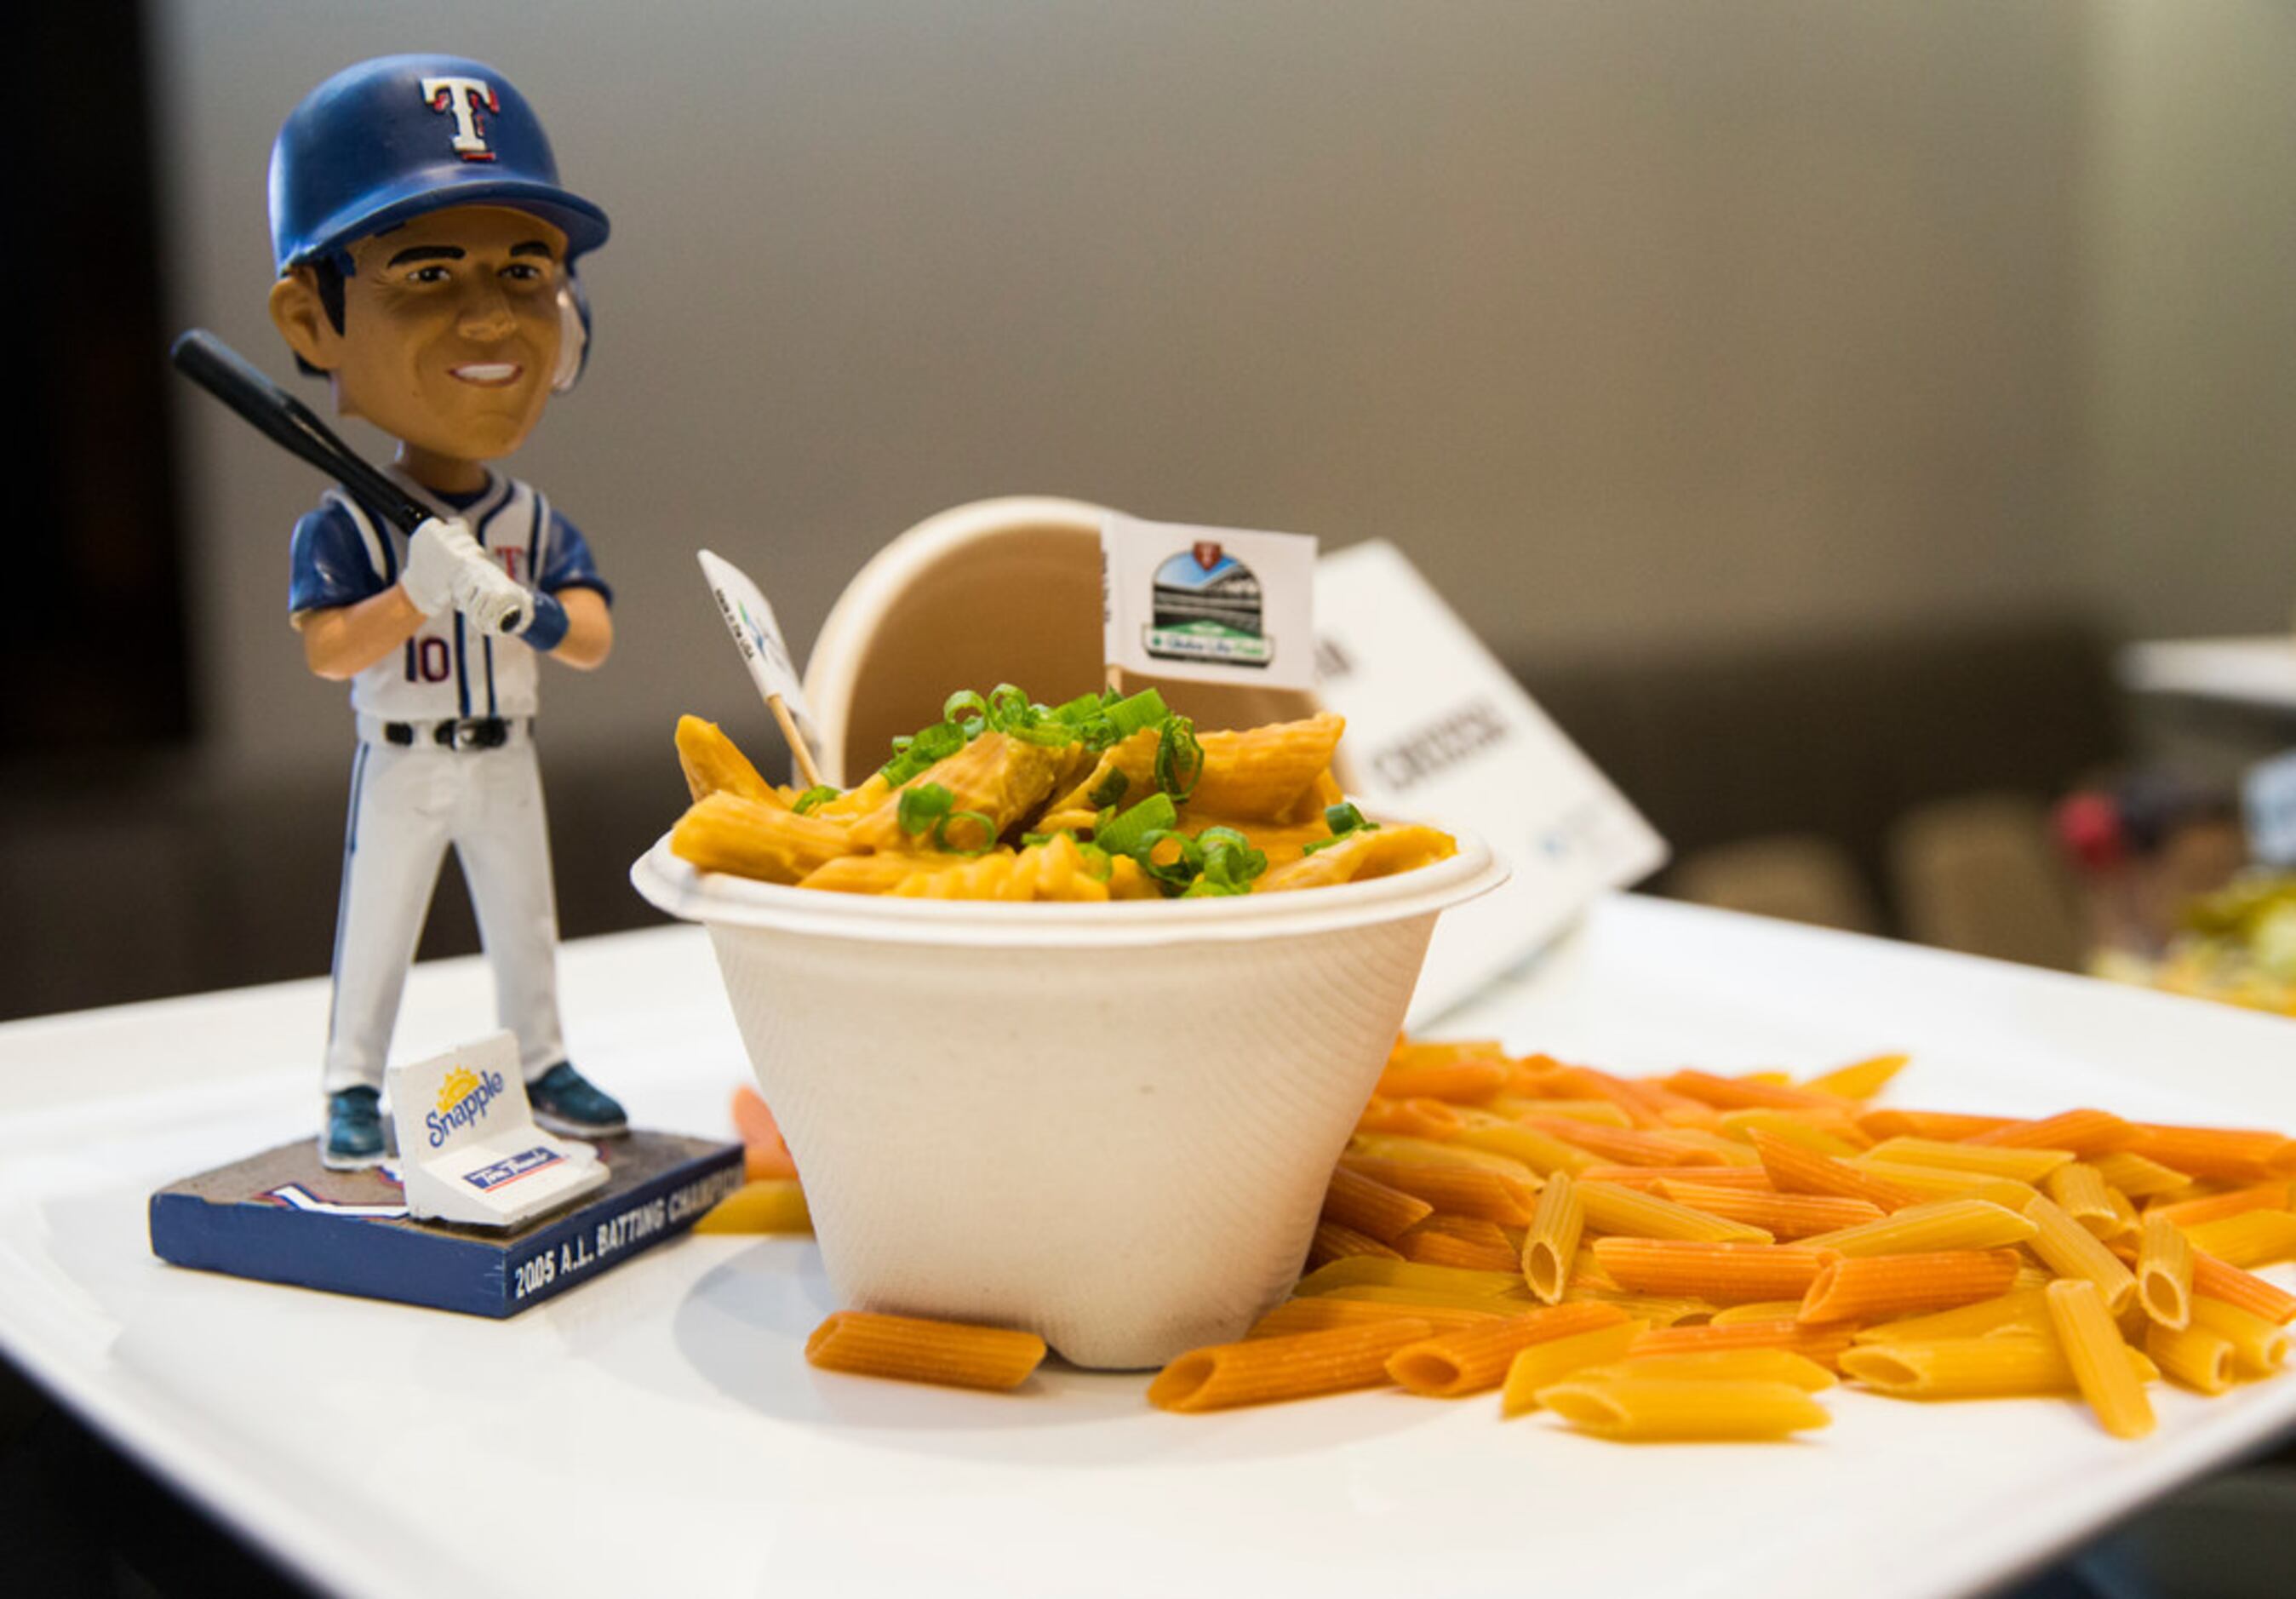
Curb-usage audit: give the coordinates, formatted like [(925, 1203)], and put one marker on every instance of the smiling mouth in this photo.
[(489, 374)]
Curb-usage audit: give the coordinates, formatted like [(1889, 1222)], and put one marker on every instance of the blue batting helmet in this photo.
[(402, 135)]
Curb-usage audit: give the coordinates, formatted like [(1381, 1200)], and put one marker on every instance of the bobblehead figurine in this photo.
[(426, 254)]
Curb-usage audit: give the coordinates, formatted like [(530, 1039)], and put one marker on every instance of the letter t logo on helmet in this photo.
[(461, 98)]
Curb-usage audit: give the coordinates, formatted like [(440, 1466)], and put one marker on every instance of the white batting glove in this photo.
[(488, 595), (437, 551)]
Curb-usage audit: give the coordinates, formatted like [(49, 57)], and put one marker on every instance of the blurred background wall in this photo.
[(1685, 346)]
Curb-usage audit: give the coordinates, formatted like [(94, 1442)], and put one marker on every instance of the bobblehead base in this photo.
[(281, 1217)]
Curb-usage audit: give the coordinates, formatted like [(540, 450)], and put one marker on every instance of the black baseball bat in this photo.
[(223, 372)]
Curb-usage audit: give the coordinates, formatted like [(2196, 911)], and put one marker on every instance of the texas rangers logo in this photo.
[(463, 98)]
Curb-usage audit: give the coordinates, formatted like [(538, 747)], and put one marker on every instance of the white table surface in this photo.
[(657, 1430), (2258, 671)]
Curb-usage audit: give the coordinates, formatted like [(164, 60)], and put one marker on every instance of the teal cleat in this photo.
[(353, 1140), (567, 1102)]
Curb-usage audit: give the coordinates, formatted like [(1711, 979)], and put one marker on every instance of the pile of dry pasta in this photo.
[(1106, 797), (1695, 1255)]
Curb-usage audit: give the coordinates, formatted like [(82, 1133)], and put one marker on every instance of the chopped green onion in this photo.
[(988, 833), (964, 704), (1343, 819), (1124, 835), (1142, 709), (819, 794), (923, 805), (1185, 865), (1231, 862), (1179, 757), (1110, 789)]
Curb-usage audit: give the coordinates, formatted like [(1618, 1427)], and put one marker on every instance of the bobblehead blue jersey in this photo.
[(426, 257), (342, 555)]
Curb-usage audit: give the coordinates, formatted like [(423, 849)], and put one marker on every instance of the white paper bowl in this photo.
[(1110, 1125)]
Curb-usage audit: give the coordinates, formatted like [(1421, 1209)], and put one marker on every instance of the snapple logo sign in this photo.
[(463, 1101)]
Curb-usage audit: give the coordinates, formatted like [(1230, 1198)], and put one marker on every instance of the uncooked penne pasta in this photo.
[(1720, 1274), (1859, 1079), (1261, 1371), (1436, 1246), (2243, 1289), (2094, 1347), (1659, 1310), (1601, 1112), (1823, 1344), (2259, 1348), (915, 1349), (2200, 1359), (1551, 1247), (768, 1205), (1635, 1409), (1371, 1207), (1467, 1080), (1928, 1124), (2247, 1239), (2215, 1207), (1865, 1288), (2085, 1133), (1934, 1183), (1335, 1241), (1469, 1360), (2072, 1250), (1721, 1366), (2079, 1191), (1366, 1272), (1755, 1310), (1800, 1128), (1429, 1152), (1543, 1153), (1540, 1364), (1785, 1216), (1627, 1146), (2018, 1165), (1611, 1208), (1924, 1229), (2021, 1312), (1745, 1180), (1742, 1094), (2138, 1176), (1967, 1368), (1321, 1314), (1797, 1170), (2223, 1154), (1452, 1190), (2164, 1273)]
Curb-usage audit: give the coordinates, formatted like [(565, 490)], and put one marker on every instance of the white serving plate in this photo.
[(658, 1432)]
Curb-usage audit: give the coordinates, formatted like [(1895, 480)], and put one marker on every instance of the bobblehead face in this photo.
[(449, 339)]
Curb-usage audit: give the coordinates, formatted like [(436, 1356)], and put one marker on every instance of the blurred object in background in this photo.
[(2142, 848), (1797, 877), (2238, 946), (94, 656), (1976, 874)]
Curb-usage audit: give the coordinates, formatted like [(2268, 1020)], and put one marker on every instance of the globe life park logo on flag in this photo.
[(1208, 604)]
